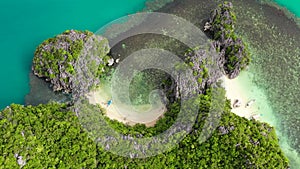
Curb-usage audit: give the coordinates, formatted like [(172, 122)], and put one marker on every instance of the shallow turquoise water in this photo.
[(291, 5), (279, 105), (25, 24)]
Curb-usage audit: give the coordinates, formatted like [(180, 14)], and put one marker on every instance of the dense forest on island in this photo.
[(50, 136)]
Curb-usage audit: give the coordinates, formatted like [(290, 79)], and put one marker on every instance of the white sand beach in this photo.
[(101, 96), (243, 89), (234, 92)]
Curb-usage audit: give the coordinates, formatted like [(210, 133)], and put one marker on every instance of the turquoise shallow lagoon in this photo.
[(273, 80), (25, 24), (292, 5)]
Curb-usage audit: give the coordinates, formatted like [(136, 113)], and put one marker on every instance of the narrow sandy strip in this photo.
[(245, 89), (101, 97)]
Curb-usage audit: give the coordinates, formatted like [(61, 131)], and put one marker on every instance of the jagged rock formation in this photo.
[(221, 28), (89, 67), (206, 66), (55, 59)]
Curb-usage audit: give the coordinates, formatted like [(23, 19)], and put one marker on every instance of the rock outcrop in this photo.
[(56, 58), (206, 67), (221, 28)]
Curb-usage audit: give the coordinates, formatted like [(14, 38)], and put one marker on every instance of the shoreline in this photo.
[(101, 95), (241, 88), (235, 93), (244, 89)]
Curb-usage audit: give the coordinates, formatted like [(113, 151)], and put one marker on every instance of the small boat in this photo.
[(250, 103), (237, 103), (255, 116)]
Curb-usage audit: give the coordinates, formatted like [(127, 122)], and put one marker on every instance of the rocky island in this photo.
[(56, 58), (51, 135)]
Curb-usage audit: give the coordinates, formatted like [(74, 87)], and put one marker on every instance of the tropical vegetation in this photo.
[(50, 136)]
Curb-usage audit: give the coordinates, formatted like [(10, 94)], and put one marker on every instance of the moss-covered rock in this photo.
[(234, 51), (55, 59), (205, 68)]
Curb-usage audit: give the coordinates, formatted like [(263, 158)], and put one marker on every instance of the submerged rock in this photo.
[(41, 93)]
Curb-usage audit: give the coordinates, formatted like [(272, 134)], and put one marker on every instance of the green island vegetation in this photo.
[(235, 51), (51, 135), (55, 59)]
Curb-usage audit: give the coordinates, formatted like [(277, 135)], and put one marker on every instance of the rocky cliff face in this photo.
[(232, 49), (206, 66), (90, 66), (58, 59), (203, 69)]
